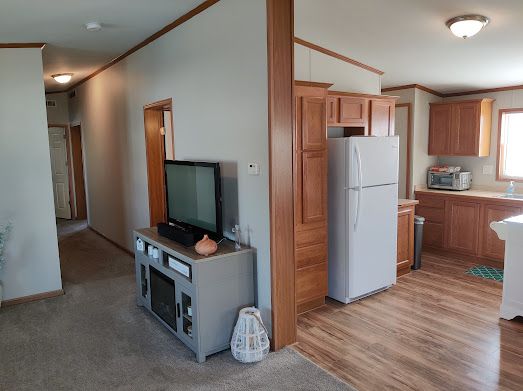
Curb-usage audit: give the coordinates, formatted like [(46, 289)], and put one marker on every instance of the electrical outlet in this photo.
[(488, 170), (253, 169)]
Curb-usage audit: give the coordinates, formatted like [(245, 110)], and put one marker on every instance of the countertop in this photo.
[(480, 194), (402, 202)]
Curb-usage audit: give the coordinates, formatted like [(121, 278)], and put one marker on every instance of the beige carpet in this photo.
[(96, 338)]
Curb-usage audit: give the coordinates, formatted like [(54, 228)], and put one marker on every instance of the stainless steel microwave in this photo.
[(449, 181)]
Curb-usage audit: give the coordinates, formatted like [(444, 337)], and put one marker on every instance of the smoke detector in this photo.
[(93, 26)]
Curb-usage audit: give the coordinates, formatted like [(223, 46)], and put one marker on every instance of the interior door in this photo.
[(60, 174), (402, 131), (372, 229)]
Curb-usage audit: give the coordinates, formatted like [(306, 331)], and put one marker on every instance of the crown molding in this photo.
[(341, 57), (417, 86), (485, 91), (22, 45)]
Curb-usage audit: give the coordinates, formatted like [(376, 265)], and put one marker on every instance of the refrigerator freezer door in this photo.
[(371, 245), (374, 159)]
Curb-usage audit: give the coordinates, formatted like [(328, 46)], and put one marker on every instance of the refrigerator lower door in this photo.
[(371, 223)]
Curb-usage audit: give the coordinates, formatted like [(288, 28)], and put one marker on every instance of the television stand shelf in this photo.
[(196, 298)]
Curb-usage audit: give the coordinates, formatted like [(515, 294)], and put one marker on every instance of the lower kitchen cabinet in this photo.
[(462, 226), (405, 244), (491, 245)]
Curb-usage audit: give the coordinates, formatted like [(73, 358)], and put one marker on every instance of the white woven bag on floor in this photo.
[(250, 342)]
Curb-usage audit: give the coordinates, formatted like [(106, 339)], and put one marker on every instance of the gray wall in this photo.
[(58, 115), (215, 68), (26, 194)]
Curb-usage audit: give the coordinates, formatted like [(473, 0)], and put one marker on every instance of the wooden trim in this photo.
[(484, 91), (359, 95), (341, 57), (23, 45), (80, 196), (164, 104), (30, 298), (418, 86), (408, 191), (171, 26), (500, 151), (280, 32), (126, 250), (303, 83)]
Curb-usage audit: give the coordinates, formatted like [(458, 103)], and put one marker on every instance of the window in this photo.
[(510, 145)]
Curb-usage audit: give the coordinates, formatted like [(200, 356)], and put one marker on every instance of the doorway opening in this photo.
[(159, 146), (60, 162)]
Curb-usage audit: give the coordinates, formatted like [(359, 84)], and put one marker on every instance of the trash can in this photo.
[(418, 240)]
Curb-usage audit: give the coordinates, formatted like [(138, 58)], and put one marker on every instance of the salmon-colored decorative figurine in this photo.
[(206, 246)]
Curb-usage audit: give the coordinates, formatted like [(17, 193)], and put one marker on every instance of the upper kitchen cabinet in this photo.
[(382, 117), (460, 128), (370, 114)]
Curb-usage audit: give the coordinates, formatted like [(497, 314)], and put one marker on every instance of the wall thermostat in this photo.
[(253, 169)]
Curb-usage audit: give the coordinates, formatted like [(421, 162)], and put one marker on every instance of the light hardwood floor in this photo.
[(437, 329)]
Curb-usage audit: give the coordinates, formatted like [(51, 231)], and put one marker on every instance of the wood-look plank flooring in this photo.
[(437, 329)]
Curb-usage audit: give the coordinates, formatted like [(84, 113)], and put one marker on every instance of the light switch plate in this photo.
[(488, 170), (253, 169)]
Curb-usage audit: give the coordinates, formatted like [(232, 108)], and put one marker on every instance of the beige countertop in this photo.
[(402, 202), (473, 193)]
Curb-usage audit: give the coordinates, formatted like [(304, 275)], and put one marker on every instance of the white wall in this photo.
[(310, 65), (26, 194), (503, 100), (58, 115), (215, 68)]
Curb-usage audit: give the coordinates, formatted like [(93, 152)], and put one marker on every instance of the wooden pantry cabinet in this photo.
[(310, 195), (460, 128), (373, 115), (461, 224)]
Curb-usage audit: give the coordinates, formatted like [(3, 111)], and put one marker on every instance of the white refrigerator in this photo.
[(363, 215)]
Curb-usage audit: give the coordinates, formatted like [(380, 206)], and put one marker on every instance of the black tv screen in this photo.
[(194, 195)]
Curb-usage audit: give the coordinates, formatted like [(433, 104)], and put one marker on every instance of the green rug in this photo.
[(487, 272)]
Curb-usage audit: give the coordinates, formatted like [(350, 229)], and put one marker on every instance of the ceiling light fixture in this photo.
[(62, 78), (466, 26), (93, 26)]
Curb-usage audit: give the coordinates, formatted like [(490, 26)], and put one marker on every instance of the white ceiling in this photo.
[(71, 48), (408, 40)]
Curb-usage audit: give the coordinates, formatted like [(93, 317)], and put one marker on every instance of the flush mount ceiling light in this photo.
[(466, 26), (93, 26), (62, 78)]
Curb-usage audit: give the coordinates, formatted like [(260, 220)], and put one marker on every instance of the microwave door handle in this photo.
[(359, 187)]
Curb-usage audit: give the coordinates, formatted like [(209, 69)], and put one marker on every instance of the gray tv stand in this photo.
[(196, 298)]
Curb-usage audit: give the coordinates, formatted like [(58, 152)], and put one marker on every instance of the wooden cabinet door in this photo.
[(313, 124), (332, 110), (465, 130), (314, 187), (440, 129), (462, 223), (382, 117), (353, 111), (405, 245), (491, 245)]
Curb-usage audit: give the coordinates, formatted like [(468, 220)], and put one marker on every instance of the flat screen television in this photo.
[(193, 192)]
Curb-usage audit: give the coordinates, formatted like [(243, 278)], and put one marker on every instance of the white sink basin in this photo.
[(515, 196)]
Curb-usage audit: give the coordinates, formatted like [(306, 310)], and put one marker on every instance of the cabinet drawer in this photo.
[(433, 202), (433, 234), (311, 236), (434, 215), (311, 255), (311, 282)]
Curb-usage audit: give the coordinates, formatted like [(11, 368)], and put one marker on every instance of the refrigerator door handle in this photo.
[(358, 188)]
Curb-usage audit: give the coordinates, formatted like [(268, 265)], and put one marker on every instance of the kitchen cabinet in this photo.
[(405, 240), (382, 117), (491, 245), (310, 194), (362, 113), (460, 128), (460, 223)]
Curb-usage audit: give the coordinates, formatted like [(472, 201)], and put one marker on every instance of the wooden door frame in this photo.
[(408, 192), (68, 154), (280, 57), (79, 125), (163, 105)]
